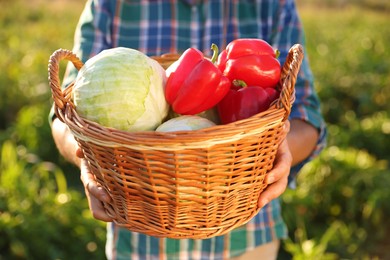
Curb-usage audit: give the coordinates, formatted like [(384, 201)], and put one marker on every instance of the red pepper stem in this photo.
[(239, 83), (277, 54), (215, 50)]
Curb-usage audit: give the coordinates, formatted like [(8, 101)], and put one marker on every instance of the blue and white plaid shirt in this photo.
[(161, 26)]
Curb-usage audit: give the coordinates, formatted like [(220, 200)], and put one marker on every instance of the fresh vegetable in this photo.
[(245, 101), (195, 84), (185, 123), (121, 88), (252, 61)]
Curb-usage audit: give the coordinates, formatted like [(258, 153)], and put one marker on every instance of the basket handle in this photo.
[(288, 78), (60, 97)]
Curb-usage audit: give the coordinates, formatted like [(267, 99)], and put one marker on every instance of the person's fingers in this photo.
[(91, 185), (97, 209), (272, 192), (277, 178), (95, 193), (282, 164)]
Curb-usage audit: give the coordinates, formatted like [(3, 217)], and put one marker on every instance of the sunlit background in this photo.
[(341, 207)]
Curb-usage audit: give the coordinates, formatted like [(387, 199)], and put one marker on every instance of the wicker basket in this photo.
[(188, 184)]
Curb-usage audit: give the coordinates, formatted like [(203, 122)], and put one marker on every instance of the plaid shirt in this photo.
[(159, 26)]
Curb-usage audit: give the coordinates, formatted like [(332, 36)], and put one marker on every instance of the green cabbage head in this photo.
[(121, 88)]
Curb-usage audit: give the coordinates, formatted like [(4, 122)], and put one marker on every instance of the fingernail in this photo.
[(263, 203), (270, 179)]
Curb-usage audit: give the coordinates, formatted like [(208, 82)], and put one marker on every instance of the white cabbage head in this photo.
[(122, 88), (185, 123)]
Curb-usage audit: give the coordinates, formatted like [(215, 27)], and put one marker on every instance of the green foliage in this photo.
[(370, 133), (31, 31), (309, 248), (345, 186), (349, 61), (40, 218), (340, 207), (378, 5)]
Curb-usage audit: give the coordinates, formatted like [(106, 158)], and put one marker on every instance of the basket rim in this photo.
[(86, 130), (93, 132)]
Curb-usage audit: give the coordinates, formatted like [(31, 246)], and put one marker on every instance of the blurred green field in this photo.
[(340, 207)]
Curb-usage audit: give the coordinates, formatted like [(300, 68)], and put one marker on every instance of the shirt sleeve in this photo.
[(92, 35), (287, 32)]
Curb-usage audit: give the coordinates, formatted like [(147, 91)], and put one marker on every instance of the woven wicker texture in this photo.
[(187, 184)]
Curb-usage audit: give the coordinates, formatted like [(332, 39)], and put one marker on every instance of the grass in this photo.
[(339, 209), (32, 30)]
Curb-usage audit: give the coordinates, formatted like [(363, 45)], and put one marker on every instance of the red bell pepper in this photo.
[(195, 84), (253, 61), (243, 102)]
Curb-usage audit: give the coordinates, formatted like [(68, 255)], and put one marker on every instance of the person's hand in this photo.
[(277, 178), (96, 194)]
